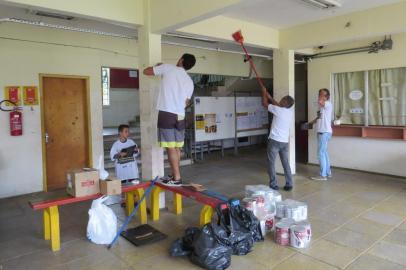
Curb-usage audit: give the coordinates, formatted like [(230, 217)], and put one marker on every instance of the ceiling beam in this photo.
[(220, 28), (170, 15)]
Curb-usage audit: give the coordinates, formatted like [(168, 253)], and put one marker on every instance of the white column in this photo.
[(284, 84), (149, 50)]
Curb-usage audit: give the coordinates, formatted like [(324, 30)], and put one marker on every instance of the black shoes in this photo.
[(274, 187), (287, 188)]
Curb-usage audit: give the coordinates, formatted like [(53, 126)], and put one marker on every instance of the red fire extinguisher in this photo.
[(16, 120)]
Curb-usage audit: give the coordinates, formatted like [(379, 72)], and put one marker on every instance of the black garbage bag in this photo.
[(241, 241), (244, 220), (184, 246), (208, 251)]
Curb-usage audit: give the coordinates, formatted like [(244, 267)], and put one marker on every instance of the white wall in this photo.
[(381, 156), (124, 106), (22, 62)]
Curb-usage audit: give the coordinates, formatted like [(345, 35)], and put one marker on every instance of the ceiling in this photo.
[(285, 13)]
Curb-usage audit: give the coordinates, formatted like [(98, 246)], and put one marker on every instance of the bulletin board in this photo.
[(214, 118), (252, 117)]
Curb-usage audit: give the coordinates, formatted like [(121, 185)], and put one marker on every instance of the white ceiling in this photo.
[(285, 13)]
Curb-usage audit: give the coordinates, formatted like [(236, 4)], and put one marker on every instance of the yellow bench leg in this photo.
[(177, 203), (205, 215), (54, 224), (142, 209), (129, 202), (47, 224), (155, 203)]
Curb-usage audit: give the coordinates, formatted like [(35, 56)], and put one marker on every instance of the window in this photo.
[(106, 86), (374, 97)]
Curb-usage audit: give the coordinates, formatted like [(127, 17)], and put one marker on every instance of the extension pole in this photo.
[(240, 39), (133, 212)]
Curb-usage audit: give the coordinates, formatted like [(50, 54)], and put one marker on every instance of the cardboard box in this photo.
[(83, 182), (110, 186)]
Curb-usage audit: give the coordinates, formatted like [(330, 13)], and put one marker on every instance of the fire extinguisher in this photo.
[(16, 119)]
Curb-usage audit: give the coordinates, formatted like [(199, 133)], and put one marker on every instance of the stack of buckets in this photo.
[(292, 227)]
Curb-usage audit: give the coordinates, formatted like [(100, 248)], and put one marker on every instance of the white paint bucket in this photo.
[(282, 235), (300, 236)]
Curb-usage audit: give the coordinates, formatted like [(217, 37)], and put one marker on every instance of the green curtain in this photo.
[(343, 84), (387, 97)]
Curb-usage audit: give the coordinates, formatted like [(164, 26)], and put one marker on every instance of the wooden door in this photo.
[(65, 128)]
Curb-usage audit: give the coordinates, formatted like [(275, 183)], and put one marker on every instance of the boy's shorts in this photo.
[(171, 130)]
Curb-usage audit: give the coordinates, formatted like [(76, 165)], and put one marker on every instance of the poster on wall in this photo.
[(210, 125), (199, 121), (30, 95), (12, 93)]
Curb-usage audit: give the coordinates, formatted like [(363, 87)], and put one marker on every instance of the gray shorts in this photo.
[(171, 130)]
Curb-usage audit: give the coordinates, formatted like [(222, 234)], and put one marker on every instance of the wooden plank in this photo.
[(195, 195)]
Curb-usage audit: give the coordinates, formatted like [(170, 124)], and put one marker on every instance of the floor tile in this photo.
[(397, 236), (367, 226), (392, 252), (331, 253), (370, 262), (352, 239), (382, 217), (303, 262)]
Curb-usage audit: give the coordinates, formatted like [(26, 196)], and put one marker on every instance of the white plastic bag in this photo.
[(102, 226)]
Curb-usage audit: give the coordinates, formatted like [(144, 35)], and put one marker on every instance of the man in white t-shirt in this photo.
[(278, 141), (324, 133), (174, 95)]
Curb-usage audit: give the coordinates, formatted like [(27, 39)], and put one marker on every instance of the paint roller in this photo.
[(237, 36)]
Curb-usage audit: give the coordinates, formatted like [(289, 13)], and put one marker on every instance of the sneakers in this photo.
[(166, 178), (319, 178), (172, 182)]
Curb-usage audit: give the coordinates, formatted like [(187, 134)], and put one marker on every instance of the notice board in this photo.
[(214, 118)]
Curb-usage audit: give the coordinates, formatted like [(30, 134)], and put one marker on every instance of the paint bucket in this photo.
[(280, 209), (293, 211), (282, 234), (300, 236), (269, 222), (303, 211)]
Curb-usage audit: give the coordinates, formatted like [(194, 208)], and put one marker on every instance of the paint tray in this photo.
[(143, 235)]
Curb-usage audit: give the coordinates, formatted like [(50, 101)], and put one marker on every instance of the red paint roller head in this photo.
[(237, 36)]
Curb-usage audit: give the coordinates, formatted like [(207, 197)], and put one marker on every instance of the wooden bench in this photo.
[(51, 213), (210, 203)]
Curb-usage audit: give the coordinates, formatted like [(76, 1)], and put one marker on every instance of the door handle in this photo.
[(46, 137)]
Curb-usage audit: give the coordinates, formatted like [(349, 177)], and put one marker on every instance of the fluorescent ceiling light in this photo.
[(323, 4)]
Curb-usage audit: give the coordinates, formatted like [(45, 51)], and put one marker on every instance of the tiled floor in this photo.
[(358, 222)]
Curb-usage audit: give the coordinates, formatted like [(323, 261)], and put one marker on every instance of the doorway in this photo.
[(301, 102), (65, 127)]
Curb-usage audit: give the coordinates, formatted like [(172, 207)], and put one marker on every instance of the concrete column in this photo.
[(149, 55), (284, 84)]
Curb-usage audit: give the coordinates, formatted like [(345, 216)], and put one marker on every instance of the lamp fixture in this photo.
[(323, 4)]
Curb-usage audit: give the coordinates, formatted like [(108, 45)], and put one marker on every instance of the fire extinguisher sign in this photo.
[(30, 95), (12, 93)]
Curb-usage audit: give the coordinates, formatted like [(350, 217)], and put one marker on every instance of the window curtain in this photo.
[(387, 97), (343, 85)]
